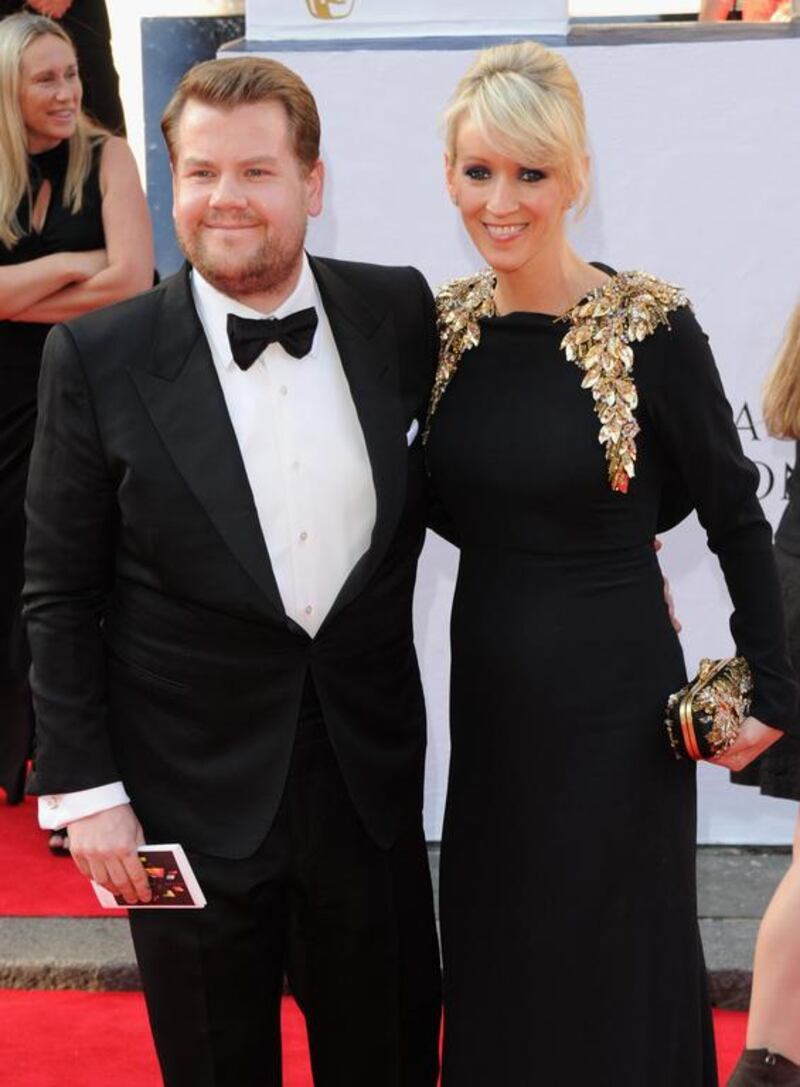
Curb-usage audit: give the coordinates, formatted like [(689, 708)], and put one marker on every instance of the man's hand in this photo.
[(673, 618), (53, 9), (104, 847), (754, 739)]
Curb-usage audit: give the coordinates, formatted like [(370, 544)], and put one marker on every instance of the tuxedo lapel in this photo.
[(180, 389), (367, 347)]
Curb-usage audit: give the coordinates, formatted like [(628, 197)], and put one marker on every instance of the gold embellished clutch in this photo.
[(704, 718)]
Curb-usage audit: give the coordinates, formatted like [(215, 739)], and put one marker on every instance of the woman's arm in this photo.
[(712, 11), (129, 245), (683, 399), (23, 285)]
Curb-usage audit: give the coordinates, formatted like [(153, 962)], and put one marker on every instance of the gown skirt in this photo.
[(570, 944)]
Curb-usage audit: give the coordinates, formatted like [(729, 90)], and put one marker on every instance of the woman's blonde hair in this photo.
[(16, 34), (527, 104), (782, 390)]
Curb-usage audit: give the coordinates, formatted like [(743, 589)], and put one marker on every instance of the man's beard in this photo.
[(267, 271)]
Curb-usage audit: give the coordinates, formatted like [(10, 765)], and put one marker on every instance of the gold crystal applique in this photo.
[(460, 305), (604, 324), (625, 310)]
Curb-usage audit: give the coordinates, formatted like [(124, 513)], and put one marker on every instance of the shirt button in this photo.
[(308, 609), (284, 390), (295, 465), (303, 536)]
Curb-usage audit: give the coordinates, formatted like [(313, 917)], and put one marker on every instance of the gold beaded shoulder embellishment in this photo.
[(627, 309), (460, 305), (604, 324)]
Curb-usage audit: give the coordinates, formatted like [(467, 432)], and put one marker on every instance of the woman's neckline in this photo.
[(555, 317), (49, 152), (51, 164)]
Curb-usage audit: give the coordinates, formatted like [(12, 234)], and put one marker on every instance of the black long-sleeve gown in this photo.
[(21, 345), (568, 911)]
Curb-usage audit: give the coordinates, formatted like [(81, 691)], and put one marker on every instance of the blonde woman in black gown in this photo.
[(772, 1056), (74, 235), (570, 939)]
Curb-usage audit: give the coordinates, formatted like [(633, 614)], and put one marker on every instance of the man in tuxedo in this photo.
[(226, 506)]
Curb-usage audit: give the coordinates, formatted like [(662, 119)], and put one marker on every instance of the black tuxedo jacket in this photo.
[(162, 653)]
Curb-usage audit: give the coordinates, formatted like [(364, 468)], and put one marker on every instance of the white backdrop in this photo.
[(696, 158), (317, 19)]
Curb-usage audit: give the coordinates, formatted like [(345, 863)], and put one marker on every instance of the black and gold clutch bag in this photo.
[(704, 718)]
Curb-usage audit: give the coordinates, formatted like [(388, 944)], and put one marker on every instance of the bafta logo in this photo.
[(330, 9)]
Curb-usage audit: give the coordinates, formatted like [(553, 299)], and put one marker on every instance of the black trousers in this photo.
[(351, 924)]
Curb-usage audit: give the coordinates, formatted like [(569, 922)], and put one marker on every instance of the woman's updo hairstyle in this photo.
[(527, 104)]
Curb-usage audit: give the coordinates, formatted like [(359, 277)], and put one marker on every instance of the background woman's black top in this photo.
[(777, 772), (62, 232), (788, 535), (20, 353)]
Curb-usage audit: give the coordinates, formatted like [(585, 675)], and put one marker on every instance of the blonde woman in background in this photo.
[(773, 1028), (568, 907), (87, 23), (74, 236)]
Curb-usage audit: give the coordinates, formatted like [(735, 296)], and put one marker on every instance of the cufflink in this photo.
[(52, 802)]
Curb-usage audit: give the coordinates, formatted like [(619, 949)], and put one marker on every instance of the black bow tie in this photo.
[(248, 337)]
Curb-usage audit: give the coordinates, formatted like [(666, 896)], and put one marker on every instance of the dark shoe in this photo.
[(760, 1068), (58, 843)]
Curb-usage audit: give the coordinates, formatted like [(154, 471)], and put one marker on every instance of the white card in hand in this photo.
[(172, 882)]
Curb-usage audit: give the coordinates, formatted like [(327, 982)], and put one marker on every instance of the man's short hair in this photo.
[(239, 81)]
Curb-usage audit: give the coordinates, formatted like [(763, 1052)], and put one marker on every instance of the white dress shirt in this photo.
[(307, 464)]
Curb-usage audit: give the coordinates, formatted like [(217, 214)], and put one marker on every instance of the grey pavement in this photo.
[(734, 886)]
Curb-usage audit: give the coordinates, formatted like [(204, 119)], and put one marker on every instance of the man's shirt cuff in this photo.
[(62, 808)]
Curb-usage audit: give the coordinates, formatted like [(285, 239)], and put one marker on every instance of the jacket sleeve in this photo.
[(71, 511), (683, 397), (438, 518)]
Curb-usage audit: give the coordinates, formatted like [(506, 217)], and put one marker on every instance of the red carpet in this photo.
[(93, 1039), (729, 1028), (50, 1039), (34, 883)]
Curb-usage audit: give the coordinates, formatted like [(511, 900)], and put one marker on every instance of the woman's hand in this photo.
[(25, 286), (37, 283), (87, 264), (123, 268), (668, 600), (754, 739)]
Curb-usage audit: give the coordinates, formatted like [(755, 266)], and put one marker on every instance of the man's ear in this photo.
[(315, 186), (174, 181)]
